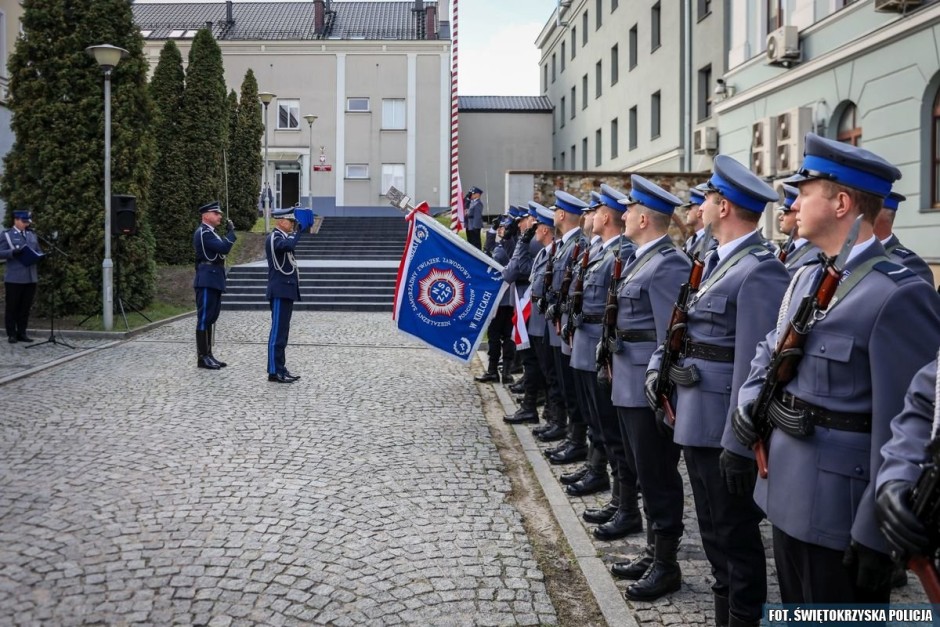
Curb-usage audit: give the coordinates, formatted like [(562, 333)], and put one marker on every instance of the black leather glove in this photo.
[(905, 534), (18, 251), (652, 378), (873, 570), (662, 425), (742, 424), (529, 233), (739, 473)]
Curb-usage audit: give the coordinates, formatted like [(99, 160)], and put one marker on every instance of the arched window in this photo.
[(935, 153), (849, 132)]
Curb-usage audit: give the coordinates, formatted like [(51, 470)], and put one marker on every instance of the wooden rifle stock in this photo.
[(782, 253), (565, 285), (925, 570), (604, 361), (577, 298), (547, 278)]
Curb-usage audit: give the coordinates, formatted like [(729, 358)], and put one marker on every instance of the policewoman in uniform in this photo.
[(650, 280), (900, 254), (19, 278), (209, 281), (734, 308), (283, 289), (801, 251), (833, 418)]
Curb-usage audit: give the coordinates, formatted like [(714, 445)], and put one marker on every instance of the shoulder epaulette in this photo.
[(763, 254), (894, 271), (903, 253), (667, 250)]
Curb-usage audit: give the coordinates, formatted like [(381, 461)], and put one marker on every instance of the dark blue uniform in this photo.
[(209, 283), (19, 279), (283, 289)]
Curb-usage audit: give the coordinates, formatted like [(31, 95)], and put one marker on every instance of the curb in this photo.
[(609, 599)]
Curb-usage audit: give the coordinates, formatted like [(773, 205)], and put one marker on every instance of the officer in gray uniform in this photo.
[(801, 251), (475, 217), (537, 325), (650, 281), (20, 277), (568, 210), (693, 217), (833, 418), (904, 456), (209, 282), (734, 308), (884, 231)]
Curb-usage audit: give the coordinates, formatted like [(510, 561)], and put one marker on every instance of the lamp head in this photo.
[(106, 55), (310, 118), (720, 88), (265, 97)]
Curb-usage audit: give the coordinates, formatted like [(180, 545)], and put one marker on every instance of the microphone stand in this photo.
[(50, 243)]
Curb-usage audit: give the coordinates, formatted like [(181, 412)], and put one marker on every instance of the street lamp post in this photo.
[(266, 97), (107, 57), (310, 120)]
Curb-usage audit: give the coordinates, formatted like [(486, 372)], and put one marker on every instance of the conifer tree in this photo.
[(56, 165), (245, 162)]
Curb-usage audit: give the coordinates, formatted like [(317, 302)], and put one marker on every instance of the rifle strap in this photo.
[(723, 269), (647, 256), (936, 403)]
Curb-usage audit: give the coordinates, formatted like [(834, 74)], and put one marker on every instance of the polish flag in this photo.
[(522, 307)]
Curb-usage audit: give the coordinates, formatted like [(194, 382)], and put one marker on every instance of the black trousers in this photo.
[(730, 535), (577, 428), (281, 311), (19, 300), (499, 338), (657, 466), (809, 573), (208, 307), (593, 421), (531, 372), (546, 359), (473, 236)]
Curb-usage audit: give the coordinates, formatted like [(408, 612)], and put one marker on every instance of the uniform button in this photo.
[(728, 388), (859, 471), (709, 305), (822, 349)]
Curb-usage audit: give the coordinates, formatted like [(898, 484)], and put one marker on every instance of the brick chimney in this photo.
[(229, 17), (319, 14), (430, 29)]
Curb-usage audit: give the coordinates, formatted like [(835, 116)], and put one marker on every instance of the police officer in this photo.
[(734, 308), (20, 276), (693, 217), (858, 361), (475, 217), (283, 289), (209, 281), (801, 251), (650, 281), (884, 231), (499, 331)]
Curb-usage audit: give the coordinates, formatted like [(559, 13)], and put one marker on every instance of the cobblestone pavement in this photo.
[(136, 488)]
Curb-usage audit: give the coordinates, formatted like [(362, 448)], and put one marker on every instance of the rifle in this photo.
[(577, 301), (542, 302), (789, 350), (675, 335), (925, 503), (565, 286), (607, 346), (782, 253)]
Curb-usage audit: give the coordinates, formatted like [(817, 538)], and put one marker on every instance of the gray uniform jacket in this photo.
[(536, 325), (910, 430), (735, 312), (859, 358), (502, 254), (908, 258), (15, 271), (594, 249), (596, 284), (806, 253), (645, 299), (475, 214), (519, 266), (562, 255)]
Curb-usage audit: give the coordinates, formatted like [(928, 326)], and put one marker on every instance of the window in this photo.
[(849, 131), (393, 175), (584, 28), (704, 8), (598, 157), (563, 159), (633, 46), (288, 115), (584, 154), (654, 116), (574, 41), (598, 76), (633, 129), (584, 91), (774, 14), (563, 55), (357, 104), (705, 92), (563, 112), (573, 100), (146, 33), (615, 64), (553, 67), (598, 14), (393, 114), (357, 171), (574, 158), (655, 15), (935, 154), (614, 132), (613, 5), (545, 77)]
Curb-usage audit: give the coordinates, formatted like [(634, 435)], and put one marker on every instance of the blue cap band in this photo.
[(696, 197), (609, 201), (654, 203), (845, 175), (737, 196)]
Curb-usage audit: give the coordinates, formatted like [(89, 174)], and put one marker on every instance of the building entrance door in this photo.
[(288, 188)]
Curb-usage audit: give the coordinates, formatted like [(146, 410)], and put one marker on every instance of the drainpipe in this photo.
[(687, 86)]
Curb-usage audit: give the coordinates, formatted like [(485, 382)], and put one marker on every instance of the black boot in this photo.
[(574, 476), (518, 387), (663, 577), (202, 350), (570, 454), (600, 515), (506, 377), (526, 413), (623, 524), (638, 566), (590, 483), (210, 334), (490, 376), (553, 434), (722, 610)]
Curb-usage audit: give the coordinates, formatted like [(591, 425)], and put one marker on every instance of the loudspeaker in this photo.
[(123, 214)]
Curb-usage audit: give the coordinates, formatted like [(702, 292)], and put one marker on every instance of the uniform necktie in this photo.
[(710, 264), (791, 248), (631, 258)]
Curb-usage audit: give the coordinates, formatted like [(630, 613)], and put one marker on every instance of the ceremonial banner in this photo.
[(521, 308), (447, 290)]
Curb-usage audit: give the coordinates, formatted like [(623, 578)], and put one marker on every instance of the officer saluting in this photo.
[(801, 251), (283, 289), (833, 418), (209, 281)]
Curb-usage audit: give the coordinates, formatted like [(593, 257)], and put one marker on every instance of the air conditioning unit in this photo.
[(705, 140), (896, 6), (762, 147), (783, 46), (790, 129)]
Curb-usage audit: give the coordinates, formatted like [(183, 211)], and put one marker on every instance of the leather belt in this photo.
[(707, 352), (797, 417), (636, 335), (597, 319), (211, 263)]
